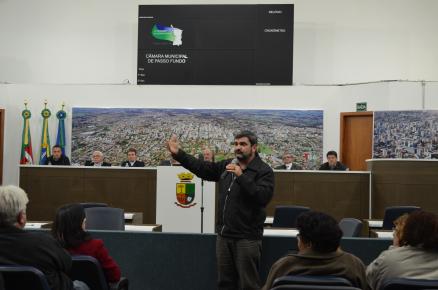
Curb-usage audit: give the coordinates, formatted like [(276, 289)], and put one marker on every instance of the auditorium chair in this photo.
[(93, 204), (409, 284), (88, 270), (350, 227), (105, 218), (313, 287), (23, 277), (311, 282), (285, 216), (393, 212)]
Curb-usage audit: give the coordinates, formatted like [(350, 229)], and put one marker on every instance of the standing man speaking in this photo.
[(246, 185)]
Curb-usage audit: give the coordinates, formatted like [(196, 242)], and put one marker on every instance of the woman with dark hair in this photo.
[(416, 257), (319, 253), (69, 229)]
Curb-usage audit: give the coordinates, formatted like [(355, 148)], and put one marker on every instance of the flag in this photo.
[(45, 140), (60, 137), (26, 142)]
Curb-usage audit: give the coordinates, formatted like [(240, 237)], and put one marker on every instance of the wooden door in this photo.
[(356, 139), (2, 129)]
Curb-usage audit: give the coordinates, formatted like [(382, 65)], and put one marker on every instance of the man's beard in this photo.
[(242, 156)]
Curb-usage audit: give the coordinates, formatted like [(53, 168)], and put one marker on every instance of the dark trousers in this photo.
[(238, 262)]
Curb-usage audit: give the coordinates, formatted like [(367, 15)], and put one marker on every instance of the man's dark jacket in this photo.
[(63, 160), (339, 167), (91, 163), (137, 163), (294, 167), (39, 250), (242, 200)]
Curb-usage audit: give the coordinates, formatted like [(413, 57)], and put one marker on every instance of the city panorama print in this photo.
[(114, 130), (406, 134)]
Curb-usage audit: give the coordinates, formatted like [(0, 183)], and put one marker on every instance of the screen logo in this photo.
[(166, 33)]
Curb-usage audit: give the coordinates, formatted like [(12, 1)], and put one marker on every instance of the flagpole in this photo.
[(60, 137), (26, 156), (45, 138)]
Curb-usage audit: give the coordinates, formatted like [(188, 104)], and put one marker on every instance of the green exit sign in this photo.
[(361, 107)]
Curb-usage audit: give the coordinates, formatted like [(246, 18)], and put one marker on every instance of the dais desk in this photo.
[(48, 187), (338, 193), (341, 194)]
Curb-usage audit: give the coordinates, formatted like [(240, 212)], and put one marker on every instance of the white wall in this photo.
[(62, 50), (337, 41), (431, 99)]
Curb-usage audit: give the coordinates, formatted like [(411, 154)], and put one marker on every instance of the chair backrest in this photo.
[(311, 280), (23, 277), (350, 227), (88, 270), (93, 204), (313, 287), (105, 218), (285, 216), (393, 212), (409, 284), (2, 284)]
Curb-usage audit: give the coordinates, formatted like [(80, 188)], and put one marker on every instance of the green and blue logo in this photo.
[(167, 33)]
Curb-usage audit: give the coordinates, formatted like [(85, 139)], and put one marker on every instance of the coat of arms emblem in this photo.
[(185, 190)]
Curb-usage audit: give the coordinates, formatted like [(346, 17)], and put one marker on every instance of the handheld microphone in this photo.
[(234, 161), (233, 176)]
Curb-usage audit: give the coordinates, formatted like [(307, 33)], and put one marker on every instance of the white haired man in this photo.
[(40, 250), (97, 160)]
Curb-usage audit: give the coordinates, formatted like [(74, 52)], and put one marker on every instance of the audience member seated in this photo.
[(319, 253), (414, 255), (57, 158), (333, 163), (132, 159), (399, 225), (288, 162), (170, 162), (39, 250), (69, 229), (97, 160), (207, 155)]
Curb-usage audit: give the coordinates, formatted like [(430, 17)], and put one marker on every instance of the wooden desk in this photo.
[(280, 232), (403, 182), (48, 187), (341, 194), (143, 228), (134, 218), (383, 234), (338, 193)]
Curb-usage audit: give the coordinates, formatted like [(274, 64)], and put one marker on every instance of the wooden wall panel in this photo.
[(403, 182)]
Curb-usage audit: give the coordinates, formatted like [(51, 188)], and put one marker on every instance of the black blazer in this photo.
[(339, 167), (91, 163), (294, 167), (61, 161), (137, 163), (39, 250)]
